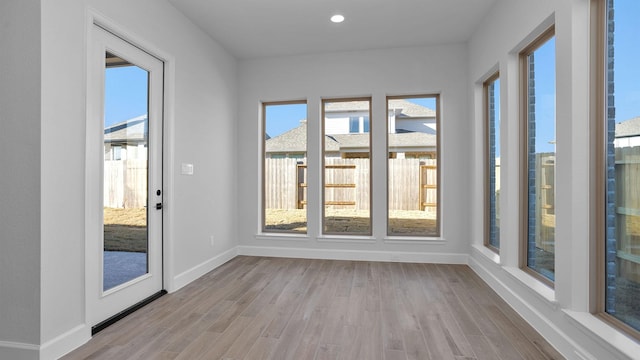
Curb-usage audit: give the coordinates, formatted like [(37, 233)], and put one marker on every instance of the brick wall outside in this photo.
[(531, 165), (611, 245)]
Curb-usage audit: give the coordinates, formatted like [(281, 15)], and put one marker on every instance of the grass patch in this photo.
[(125, 229)]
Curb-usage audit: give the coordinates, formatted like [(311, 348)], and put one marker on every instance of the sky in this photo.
[(627, 53), (281, 118), (496, 89), (126, 87), (125, 94), (545, 82)]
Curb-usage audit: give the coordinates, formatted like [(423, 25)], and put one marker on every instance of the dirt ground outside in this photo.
[(410, 222), (125, 229)]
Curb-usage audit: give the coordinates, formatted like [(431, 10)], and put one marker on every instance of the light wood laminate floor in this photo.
[(273, 308)]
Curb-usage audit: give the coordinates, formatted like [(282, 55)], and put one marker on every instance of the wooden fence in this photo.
[(628, 210), (280, 180), (125, 183), (545, 201), (412, 184), (347, 183), (627, 180)]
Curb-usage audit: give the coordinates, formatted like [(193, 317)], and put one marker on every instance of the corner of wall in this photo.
[(184, 278)]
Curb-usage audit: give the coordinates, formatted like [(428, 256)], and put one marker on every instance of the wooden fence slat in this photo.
[(125, 183), (347, 184)]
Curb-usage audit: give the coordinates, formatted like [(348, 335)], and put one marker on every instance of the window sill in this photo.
[(347, 239), (414, 240), (539, 288), (282, 236), (604, 333), (488, 253)]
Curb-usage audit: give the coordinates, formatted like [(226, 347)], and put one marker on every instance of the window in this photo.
[(354, 124), (358, 124), (284, 195), (347, 168), (117, 152), (412, 173), (492, 179), (618, 116), (538, 162)]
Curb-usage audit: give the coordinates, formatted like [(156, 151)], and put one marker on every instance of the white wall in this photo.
[(42, 302), (42, 105), (341, 123), (376, 73), (419, 125), (561, 314), (20, 175)]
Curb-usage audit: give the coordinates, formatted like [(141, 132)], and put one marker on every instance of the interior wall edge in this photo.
[(190, 275), (66, 342), (18, 351)]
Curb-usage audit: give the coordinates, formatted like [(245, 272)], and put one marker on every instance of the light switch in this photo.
[(187, 169)]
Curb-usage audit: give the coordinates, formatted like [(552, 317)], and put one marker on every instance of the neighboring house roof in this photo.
[(343, 106), (409, 109), (129, 131), (628, 128), (347, 141), (402, 140), (412, 139), (294, 141), (406, 108)]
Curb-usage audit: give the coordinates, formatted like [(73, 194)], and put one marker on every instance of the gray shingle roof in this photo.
[(401, 140), (351, 141), (294, 140), (406, 108), (342, 106), (412, 139), (410, 110), (132, 130), (628, 128)]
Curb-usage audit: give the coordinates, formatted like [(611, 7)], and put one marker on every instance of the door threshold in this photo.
[(115, 318)]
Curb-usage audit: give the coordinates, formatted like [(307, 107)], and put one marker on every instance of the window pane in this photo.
[(413, 166), (346, 179), (492, 95), (354, 124), (285, 167), (541, 151), (125, 166), (623, 163)]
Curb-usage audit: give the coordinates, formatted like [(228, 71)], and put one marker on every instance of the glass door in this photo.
[(125, 139), (126, 158)]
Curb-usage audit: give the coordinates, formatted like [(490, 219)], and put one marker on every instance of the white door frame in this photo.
[(93, 219)]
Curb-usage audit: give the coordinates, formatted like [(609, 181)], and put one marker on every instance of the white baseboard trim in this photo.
[(197, 271), (65, 343), (52, 349), (356, 255), (19, 351)]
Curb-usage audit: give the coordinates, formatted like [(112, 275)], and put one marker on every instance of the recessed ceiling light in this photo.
[(337, 18)]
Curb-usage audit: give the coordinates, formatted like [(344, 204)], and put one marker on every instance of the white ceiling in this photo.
[(262, 28)]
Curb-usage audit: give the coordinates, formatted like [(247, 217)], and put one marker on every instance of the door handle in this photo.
[(158, 206)]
